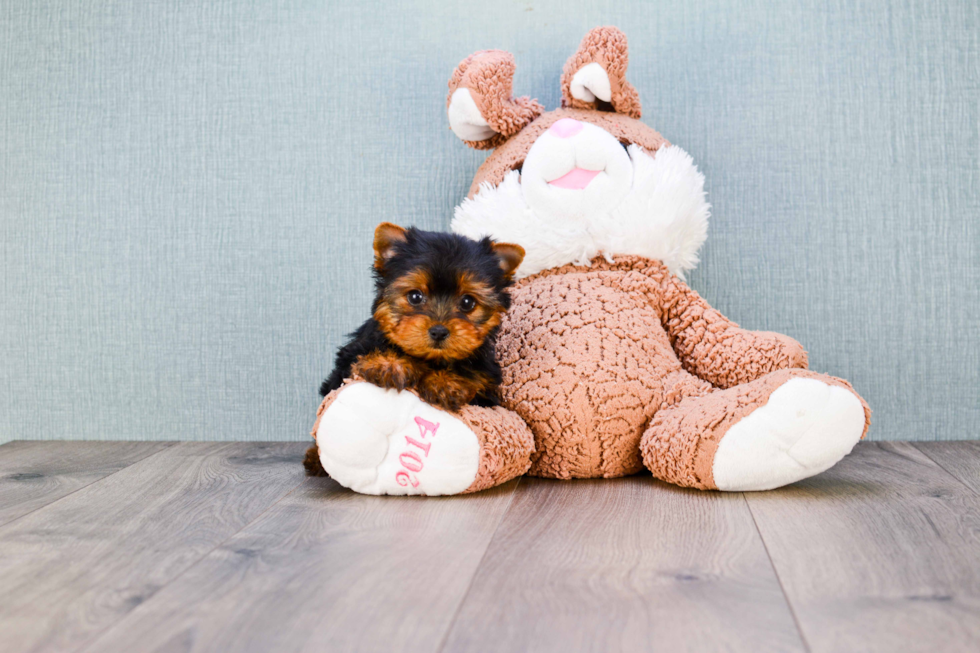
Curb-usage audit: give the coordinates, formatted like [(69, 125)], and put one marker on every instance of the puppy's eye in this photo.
[(415, 297), (467, 303)]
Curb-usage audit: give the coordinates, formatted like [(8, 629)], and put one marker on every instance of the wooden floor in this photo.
[(227, 547)]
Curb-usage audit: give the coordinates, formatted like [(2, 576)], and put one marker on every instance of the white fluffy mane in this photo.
[(663, 217)]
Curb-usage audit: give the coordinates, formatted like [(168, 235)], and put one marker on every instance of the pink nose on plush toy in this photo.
[(566, 128)]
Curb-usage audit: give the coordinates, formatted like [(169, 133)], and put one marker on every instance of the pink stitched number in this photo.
[(426, 426), (413, 462), (424, 446), (410, 460), (403, 478)]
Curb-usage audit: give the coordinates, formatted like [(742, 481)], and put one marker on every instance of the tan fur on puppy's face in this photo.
[(408, 325)]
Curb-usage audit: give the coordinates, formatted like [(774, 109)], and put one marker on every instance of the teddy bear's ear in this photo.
[(481, 111), (595, 76)]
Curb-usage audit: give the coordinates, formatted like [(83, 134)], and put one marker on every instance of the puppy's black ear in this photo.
[(386, 237), (510, 257)]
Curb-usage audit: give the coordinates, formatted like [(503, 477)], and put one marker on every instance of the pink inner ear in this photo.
[(566, 128)]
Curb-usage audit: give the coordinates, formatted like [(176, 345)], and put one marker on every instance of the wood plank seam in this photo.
[(925, 452), (113, 564), (878, 553), (286, 582), (775, 571), (93, 641), (94, 481), (476, 570), (624, 564)]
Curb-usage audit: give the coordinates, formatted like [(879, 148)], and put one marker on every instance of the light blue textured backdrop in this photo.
[(188, 190)]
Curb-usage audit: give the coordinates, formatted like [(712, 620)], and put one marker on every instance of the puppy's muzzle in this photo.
[(438, 334)]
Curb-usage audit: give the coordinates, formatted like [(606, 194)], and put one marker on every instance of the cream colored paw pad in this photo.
[(805, 428), (377, 441)]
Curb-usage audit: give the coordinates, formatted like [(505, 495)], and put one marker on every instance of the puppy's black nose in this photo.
[(438, 333)]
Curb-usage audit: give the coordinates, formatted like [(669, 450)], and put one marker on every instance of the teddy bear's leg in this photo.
[(779, 429), (378, 441)]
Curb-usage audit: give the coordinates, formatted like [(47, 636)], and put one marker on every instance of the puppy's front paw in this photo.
[(387, 370), (448, 390)]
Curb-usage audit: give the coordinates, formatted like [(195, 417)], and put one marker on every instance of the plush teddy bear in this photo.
[(611, 363)]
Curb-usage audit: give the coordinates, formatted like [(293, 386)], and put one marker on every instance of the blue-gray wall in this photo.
[(188, 190)]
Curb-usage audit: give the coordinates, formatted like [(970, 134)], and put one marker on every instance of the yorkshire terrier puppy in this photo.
[(439, 299)]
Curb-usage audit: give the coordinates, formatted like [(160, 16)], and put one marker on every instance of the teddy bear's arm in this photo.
[(713, 347)]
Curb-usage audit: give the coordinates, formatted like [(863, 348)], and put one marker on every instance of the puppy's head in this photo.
[(440, 295)]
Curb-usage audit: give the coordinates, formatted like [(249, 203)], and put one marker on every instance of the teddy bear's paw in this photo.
[(805, 428), (377, 441)]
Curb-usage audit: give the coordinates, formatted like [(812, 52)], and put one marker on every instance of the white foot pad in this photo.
[(805, 428), (377, 441)]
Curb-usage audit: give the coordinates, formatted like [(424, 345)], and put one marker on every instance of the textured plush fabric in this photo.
[(663, 214), (510, 155), (680, 444), (608, 47), (591, 355), (188, 190), (506, 445), (489, 77), (324, 405)]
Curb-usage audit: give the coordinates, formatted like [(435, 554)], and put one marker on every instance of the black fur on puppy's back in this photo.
[(367, 338)]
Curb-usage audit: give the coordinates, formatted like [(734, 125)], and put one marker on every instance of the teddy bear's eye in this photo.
[(467, 303), (415, 297)]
